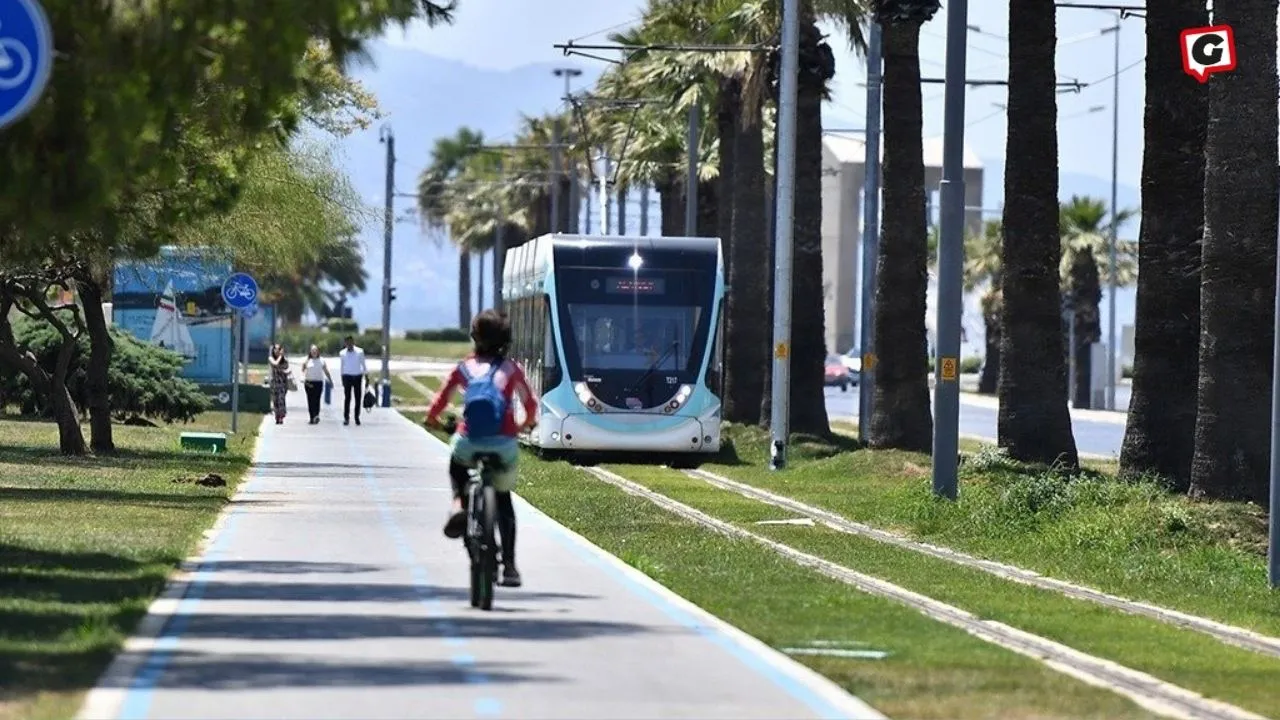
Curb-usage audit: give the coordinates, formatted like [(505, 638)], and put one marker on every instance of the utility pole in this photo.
[(499, 243), (388, 137), (785, 229), (691, 178), (557, 167), (1111, 239), (569, 73), (644, 209), (870, 232), (604, 191), (946, 391)]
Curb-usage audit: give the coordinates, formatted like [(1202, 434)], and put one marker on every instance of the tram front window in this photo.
[(637, 338)]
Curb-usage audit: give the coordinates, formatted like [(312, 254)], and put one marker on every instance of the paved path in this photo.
[(328, 592)]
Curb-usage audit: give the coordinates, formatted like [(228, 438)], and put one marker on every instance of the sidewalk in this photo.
[(328, 591)]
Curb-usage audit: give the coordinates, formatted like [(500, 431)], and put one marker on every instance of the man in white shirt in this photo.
[(351, 361)]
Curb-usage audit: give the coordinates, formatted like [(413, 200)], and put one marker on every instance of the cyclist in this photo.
[(490, 382)]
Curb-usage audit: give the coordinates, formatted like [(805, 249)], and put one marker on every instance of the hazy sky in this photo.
[(503, 34)]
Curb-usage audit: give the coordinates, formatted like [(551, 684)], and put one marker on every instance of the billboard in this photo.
[(175, 300), (261, 333)]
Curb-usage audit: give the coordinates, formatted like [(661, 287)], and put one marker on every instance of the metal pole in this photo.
[(784, 230), (1071, 356), (389, 222), (604, 192), (870, 232), (499, 243), (691, 177), (1273, 546), (557, 163), (644, 209), (1111, 241), (946, 390), (237, 332)]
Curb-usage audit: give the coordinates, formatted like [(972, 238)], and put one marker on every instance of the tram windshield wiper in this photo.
[(654, 367)]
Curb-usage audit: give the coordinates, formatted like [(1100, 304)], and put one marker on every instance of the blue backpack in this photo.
[(483, 405)]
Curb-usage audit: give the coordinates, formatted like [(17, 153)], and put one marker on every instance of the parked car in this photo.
[(835, 373), (853, 361)]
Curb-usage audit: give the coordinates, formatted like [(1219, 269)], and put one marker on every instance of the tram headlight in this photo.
[(586, 397), (677, 402)]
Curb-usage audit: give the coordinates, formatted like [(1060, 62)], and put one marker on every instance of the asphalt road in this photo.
[(1097, 432), (329, 592)]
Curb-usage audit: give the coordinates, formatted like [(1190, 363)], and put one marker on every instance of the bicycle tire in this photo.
[(488, 546), (473, 537)]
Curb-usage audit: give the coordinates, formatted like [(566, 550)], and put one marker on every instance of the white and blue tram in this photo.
[(620, 337)]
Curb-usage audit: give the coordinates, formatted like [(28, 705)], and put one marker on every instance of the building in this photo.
[(843, 157)]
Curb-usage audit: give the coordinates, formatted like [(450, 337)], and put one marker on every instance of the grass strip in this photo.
[(435, 349), (1184, 658), (1129, 538), (87, 543), (933, 671)]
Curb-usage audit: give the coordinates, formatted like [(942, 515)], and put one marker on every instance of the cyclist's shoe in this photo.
[(511, 576), (455, 525)]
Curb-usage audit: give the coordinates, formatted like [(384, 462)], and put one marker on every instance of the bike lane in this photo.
[(328, 591)]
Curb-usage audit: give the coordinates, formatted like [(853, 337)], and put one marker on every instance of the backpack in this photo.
[(484, 406)]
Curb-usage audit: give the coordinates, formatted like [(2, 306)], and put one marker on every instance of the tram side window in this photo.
[(550, 362)]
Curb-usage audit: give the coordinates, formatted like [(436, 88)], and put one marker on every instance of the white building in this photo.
[(842, 164)]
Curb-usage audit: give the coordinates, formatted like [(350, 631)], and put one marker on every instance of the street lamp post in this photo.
[(1111, 239), (568, 73), (389, 139)]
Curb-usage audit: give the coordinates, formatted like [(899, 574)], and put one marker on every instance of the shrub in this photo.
[(297, 341), (143, 380), (439, 335), (343, 326)]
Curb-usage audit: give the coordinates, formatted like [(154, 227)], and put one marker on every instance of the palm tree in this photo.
[(1034, 423), (1159, 436), (902, 417), (335, 272), (982, 270), (1238, 283), (448, 159), (1084, 251)]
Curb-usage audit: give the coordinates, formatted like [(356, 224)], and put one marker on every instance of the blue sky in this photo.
[(505, 34)]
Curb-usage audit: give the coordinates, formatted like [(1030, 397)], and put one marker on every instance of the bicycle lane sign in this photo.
[(240, 292), (26, 57)]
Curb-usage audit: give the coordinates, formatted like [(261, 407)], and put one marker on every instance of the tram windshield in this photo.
[(633, 323)]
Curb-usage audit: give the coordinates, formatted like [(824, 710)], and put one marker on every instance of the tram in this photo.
[(621, 340)]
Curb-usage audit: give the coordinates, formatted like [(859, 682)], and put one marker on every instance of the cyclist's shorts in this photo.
[(465, 449)]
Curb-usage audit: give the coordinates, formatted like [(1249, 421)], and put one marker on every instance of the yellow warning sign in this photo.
[(949, 368), (780, 351), (869, 362)]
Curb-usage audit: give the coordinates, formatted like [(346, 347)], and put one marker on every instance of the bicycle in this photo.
[(241, 290), (482, 519)]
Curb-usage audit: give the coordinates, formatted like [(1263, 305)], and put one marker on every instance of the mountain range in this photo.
[(424, 97)]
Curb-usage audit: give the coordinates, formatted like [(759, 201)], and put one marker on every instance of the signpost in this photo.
[(26, 58), (240, 293)]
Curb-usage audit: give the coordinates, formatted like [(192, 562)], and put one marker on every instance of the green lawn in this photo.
[(933, 671), (86, 544), (1128, 538), (404, 393), (1186, 658), (430, 349)]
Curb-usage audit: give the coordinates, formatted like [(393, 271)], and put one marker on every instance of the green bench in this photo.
[(204, 441)]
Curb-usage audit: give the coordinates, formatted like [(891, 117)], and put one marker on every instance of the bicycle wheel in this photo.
[(475, 524), (488, 565)]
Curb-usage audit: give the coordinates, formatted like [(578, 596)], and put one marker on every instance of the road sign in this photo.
[(26, 57), (949, 366), (240, 291), (780, 351)]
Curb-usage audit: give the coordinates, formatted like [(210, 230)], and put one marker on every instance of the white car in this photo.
[(852, 360)]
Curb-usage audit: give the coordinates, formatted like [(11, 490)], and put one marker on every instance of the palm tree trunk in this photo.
[(1034, 424), (671, 201), (808, 411), (464, 289), (747, 328), (708, 220), (1238, 284), (728, 110), (902, 417), (1160, 434), (1086, 297)]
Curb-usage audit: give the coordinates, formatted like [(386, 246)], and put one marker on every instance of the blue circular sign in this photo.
[(26, 57), (240, 291)]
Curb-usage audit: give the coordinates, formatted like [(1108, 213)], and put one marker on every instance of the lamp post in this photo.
[(568, 73), (1111, 237)]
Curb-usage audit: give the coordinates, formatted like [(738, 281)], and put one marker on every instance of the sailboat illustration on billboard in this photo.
[(170, 329)]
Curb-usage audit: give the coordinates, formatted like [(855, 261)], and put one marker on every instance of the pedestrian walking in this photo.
[(314, 375), (280, 381), (352, 367)]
